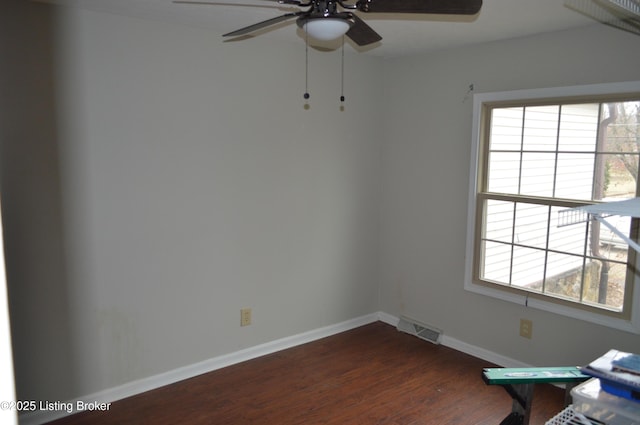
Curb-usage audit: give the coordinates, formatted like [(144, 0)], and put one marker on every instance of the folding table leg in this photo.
[(522, 395)]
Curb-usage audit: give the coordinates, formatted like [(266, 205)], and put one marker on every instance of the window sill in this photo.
[(632, 326)]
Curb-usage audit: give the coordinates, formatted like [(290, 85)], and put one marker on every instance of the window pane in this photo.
[(497, 262), (506, 129), (617, 253), (618, 179), (499, 221), (621, 129), (604, 284), (504, 172), (607, 244), (569, 237), (579, 127), (564, 275), (528, 268), (531, 225), (622, 122), (615, 286), (538, 170), (541, 128), (574, 179)]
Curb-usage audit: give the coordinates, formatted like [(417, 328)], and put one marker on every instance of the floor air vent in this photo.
[(422, 331)]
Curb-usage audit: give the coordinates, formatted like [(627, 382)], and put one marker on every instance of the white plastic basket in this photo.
[(570, 417)]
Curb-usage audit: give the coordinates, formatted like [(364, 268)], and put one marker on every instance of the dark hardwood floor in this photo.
[(369, 375)]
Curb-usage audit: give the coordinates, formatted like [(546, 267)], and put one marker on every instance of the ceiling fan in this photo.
[(330, 19)]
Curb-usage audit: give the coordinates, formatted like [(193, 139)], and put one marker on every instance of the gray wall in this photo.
[(426, 180), (156, 180), (162, 179)]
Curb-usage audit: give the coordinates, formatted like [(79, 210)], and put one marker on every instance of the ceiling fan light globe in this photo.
[(326, 28)]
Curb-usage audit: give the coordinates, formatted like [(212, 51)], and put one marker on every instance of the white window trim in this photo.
[(631, 325)]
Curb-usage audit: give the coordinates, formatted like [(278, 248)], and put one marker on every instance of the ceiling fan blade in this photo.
[(361, 33), (263, 24), (213, 3), (452, 7), (280, 6)]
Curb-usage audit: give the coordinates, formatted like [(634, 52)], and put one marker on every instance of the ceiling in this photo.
[(403, 34)]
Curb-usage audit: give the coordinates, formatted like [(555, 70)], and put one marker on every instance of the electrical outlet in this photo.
[(526, 328), (245, 317)]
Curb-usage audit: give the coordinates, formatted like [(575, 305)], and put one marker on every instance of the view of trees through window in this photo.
[(539, 161)]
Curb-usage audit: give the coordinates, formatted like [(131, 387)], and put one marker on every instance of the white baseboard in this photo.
[(388, 318), (481, 353), (146, 384), (136, 387), (458, 345)]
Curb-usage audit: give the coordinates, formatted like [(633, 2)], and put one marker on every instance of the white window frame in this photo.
[(630, 325)]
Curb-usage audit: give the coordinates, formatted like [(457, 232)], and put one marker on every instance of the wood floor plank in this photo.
[(372, 375)]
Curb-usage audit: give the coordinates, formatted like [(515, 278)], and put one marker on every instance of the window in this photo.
[(537, 154)]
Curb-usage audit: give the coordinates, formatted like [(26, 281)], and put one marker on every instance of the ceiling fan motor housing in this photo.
[(330, 22)]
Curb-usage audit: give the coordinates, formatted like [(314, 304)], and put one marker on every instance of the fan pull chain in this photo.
[(306, 63), (342, 74)]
